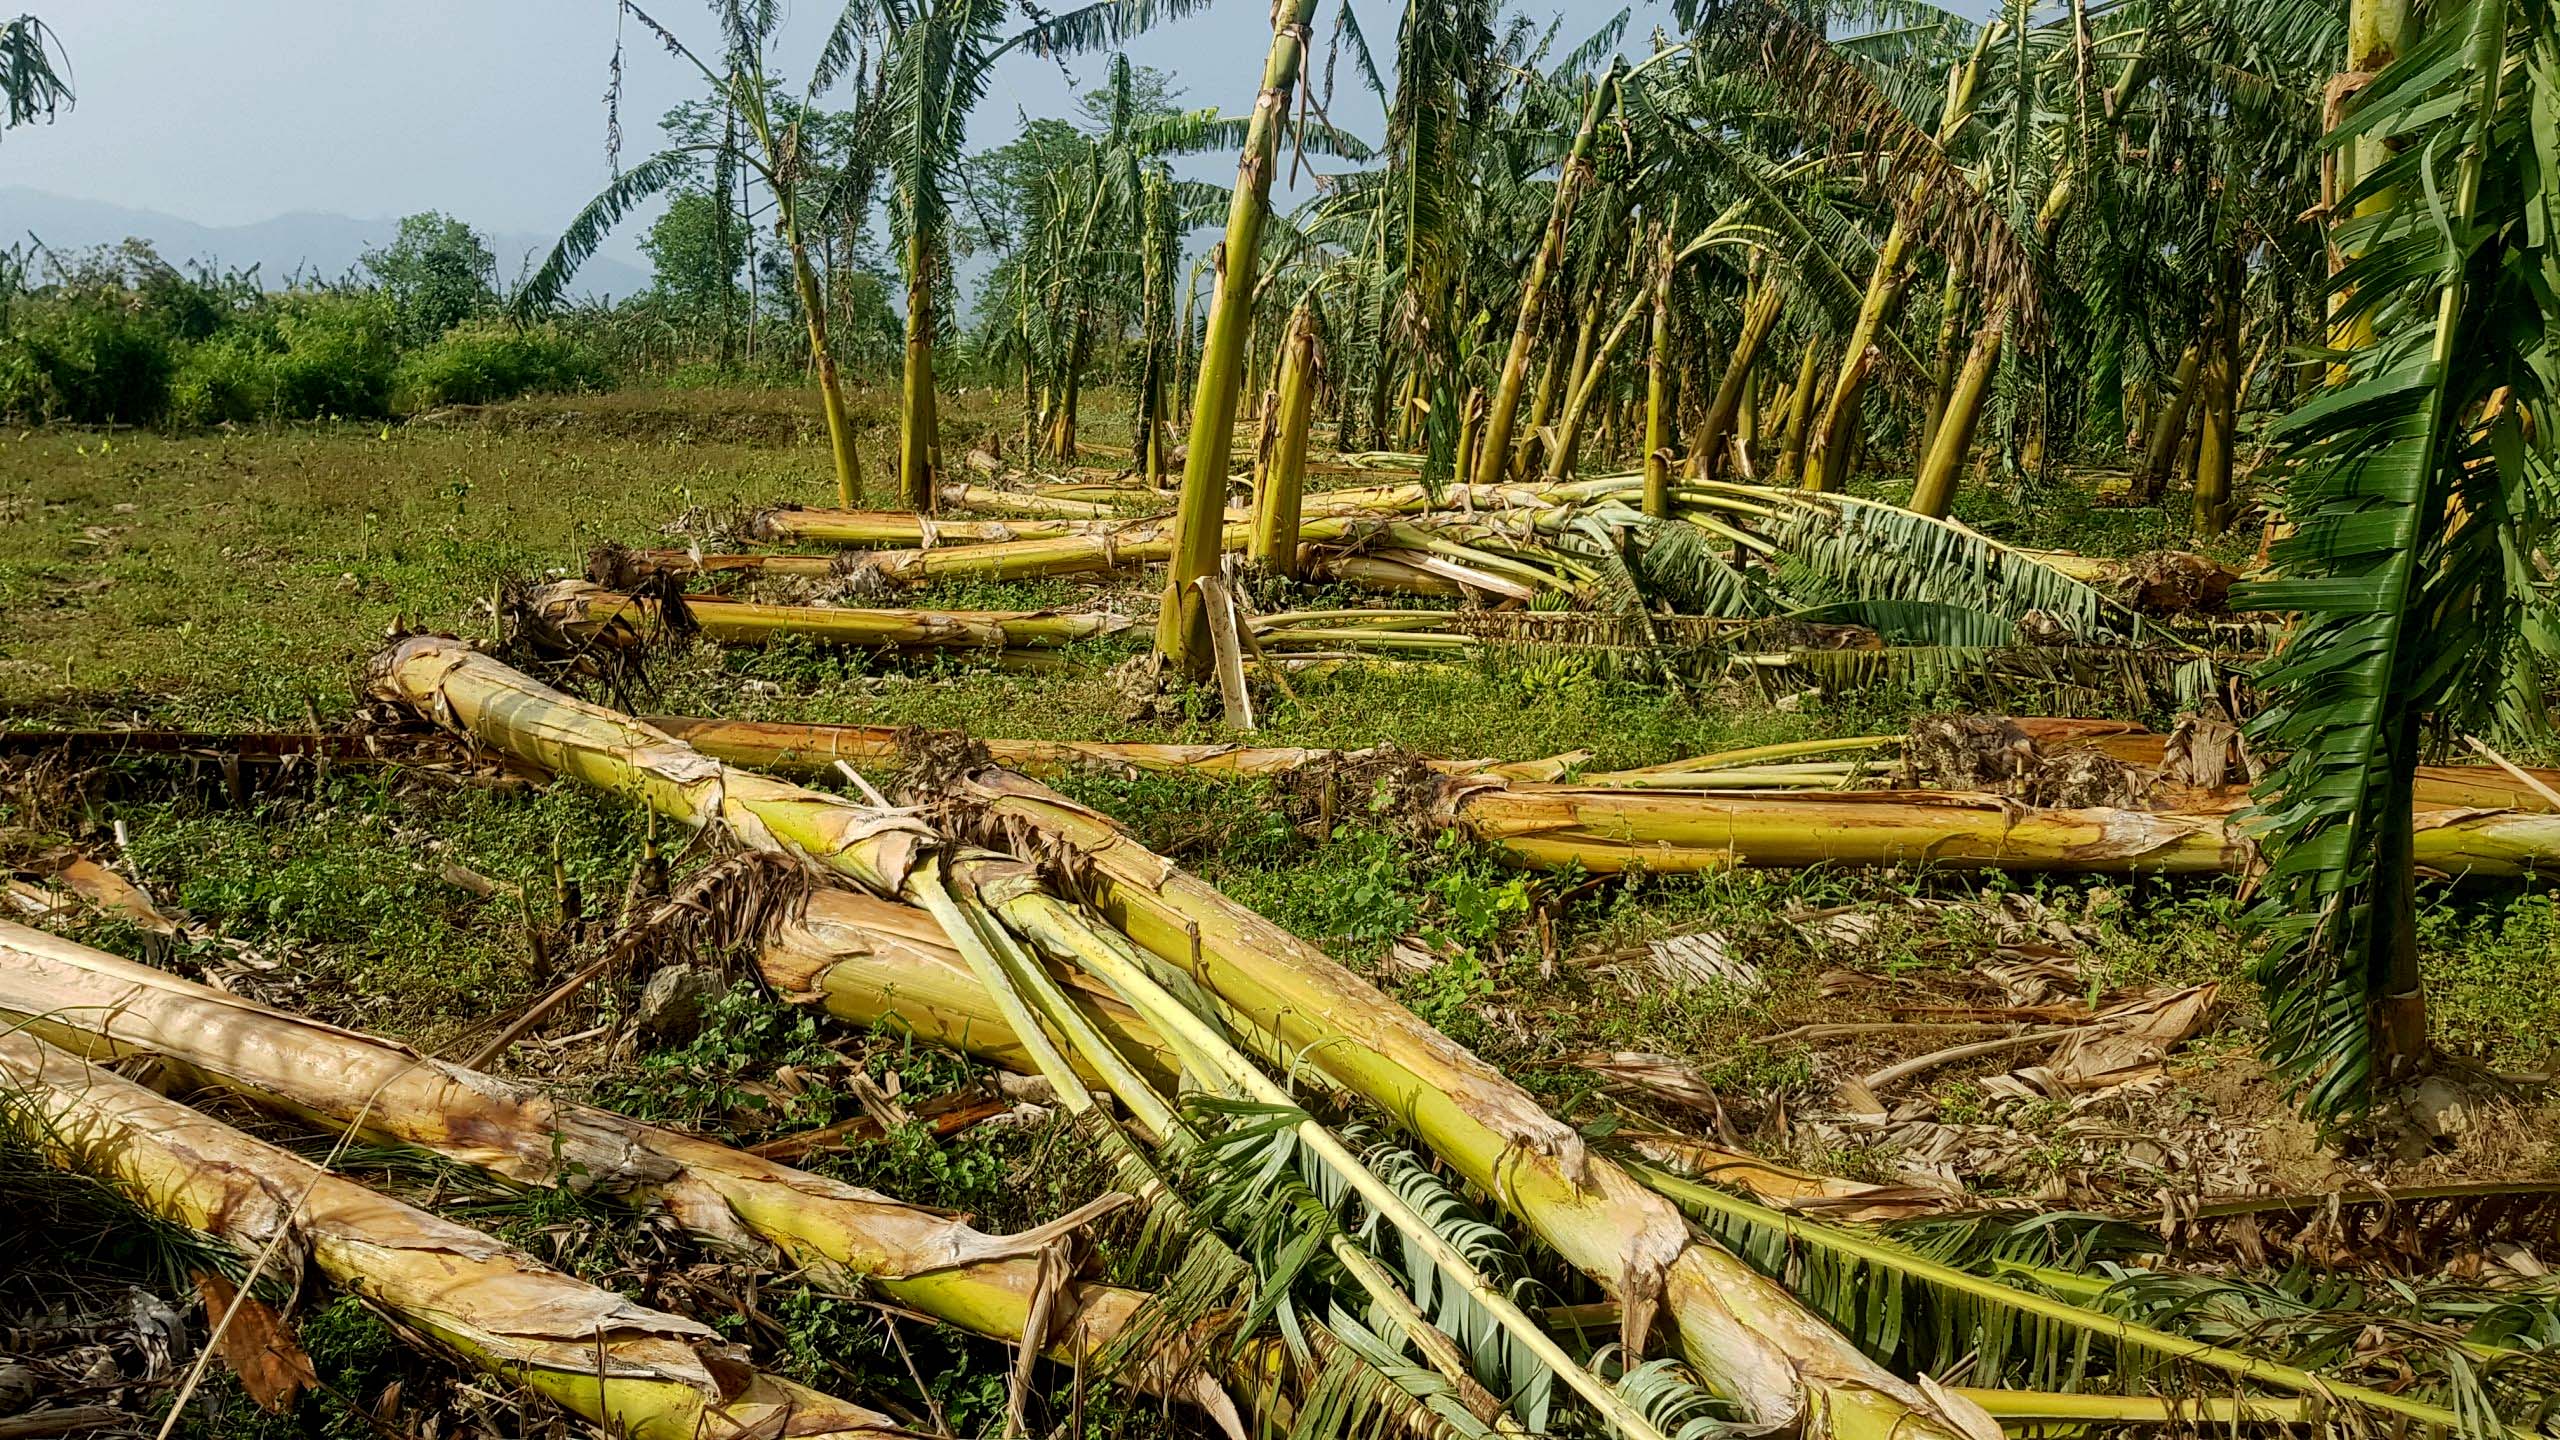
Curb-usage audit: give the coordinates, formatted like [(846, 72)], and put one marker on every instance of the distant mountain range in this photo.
[(325, 246)]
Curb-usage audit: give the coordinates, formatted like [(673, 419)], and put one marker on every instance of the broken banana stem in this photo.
[(585, 610), (107, 1007), (633, 1370), (1742, 1332), (1601, 829), (811, 750), (1110, 959), (1089, 509), (889, 966)]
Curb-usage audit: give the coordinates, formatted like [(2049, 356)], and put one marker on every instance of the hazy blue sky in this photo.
[(232, 111)]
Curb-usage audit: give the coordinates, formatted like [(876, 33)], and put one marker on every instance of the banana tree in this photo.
[(1182, 630), (620, 1365), (774, 153), (2420, 485), (940, 56)]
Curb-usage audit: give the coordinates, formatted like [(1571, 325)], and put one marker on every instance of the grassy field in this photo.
[(241, 580)]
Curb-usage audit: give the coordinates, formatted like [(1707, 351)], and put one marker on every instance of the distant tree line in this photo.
[(120, 335)]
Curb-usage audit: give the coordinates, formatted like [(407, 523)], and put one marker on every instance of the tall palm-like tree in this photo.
[(773, 151), (2422, 481), (940, 55), (34, 73)]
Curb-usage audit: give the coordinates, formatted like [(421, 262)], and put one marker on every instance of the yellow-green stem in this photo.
[(1275, 503), (1494, 455), (1182, 634), (1943, 467)]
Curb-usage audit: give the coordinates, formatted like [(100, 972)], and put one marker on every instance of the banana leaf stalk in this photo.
[(2124, 1336), (813, 749), (1743, 1334), (1155, 1115), (106, 1007), (635, 1371), (1209, 1054)]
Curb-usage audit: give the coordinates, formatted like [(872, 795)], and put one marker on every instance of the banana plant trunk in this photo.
[(1659, 398), (1791, 434), (1577, 410), (1835, 435), (813, 309), (1275, 502), (1745, 1335), (631, 1370), (1942, 469), (918, 427), (1493, 458), (2169, 428), (1942, 381), (106, 1007), (2217, 410), (1759, 317), (1182, 630)]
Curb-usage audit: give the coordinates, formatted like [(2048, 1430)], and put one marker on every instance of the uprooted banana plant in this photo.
[(1744, 1335), (107, 1007), (620, 1365)]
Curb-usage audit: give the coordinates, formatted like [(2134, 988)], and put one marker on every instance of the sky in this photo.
[(228, 112)]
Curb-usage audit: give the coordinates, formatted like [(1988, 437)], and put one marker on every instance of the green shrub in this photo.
[(89, 359), (230, 377), (338, 357), (476, 364), (297, 357)]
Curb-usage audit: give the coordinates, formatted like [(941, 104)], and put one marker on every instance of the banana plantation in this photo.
[(1756, 717)]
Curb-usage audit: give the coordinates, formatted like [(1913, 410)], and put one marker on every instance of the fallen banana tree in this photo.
[(887, 966), (882, 965), (584, 610), (864, 529), (633, 1370), (1387, 570), (106, 1007), (1742, 1333), (930, 991), (1603, 829), (1065, 511), (814, 749), (1660, 820), (1454, 551)]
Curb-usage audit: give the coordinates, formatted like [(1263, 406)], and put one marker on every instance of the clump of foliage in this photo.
[(119, 336), (479, 363)]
